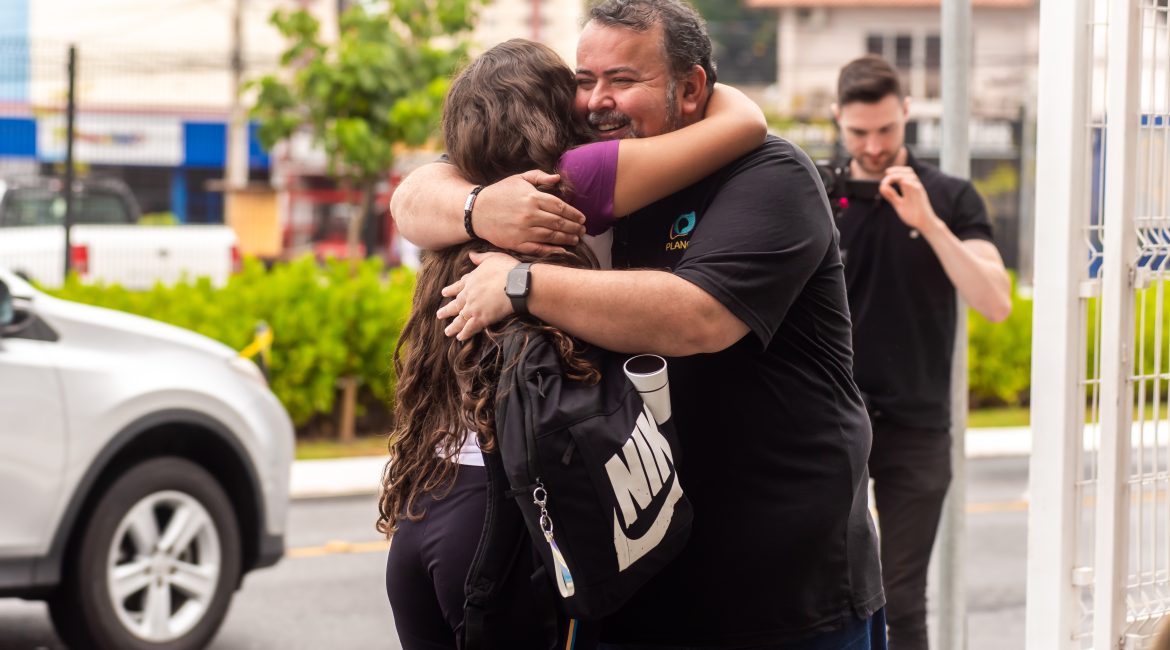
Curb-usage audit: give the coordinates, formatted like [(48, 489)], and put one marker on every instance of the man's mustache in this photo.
[(612, 118)]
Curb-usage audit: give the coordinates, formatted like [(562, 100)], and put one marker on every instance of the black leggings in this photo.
[(428, 563)]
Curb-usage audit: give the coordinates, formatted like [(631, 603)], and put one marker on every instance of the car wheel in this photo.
[(156, 564)]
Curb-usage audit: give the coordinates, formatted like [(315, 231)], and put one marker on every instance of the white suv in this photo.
[(143, 470)]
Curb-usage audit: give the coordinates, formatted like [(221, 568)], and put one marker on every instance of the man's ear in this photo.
[(836, 109), (693, 94), (906, 106)]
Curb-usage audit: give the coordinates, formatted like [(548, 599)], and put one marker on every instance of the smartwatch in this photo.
[(518, 286)]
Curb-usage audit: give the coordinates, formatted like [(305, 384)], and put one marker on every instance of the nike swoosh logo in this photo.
[(631, 550), (644, 481)]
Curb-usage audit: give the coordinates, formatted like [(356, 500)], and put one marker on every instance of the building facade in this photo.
[(817, 37), (155, 86)]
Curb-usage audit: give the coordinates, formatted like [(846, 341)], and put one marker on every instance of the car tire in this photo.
[(155, 565)]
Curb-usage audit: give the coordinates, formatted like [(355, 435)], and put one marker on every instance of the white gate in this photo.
[(1099, 522)]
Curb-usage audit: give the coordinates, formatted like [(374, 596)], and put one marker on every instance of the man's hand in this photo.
[(911, 204), (513, 214), (479, 299)]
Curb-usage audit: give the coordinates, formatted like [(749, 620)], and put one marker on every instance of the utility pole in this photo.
[(956, 161), (236, 164), (70, 127)]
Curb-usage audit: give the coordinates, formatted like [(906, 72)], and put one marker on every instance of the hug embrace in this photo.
[(630, 206)]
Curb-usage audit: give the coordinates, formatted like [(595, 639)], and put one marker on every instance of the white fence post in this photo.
[(1122, 114), (1058, 345)]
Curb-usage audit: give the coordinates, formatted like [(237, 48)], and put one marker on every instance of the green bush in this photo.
[(999, 356), (328, 322)]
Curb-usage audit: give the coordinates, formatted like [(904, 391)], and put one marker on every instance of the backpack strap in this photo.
[(507, 562), (501, 544)]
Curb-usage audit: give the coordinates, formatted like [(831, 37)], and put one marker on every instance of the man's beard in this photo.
[(882, 165), (620, 120)]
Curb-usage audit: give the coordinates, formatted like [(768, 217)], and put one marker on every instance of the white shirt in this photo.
[(468, 454)]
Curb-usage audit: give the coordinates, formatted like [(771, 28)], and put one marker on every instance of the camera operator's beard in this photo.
[(884, 162)]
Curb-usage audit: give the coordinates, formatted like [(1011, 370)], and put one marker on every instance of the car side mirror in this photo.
[(7, 314)]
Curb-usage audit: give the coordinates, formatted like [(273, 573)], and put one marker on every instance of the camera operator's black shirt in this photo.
[(774, 435), (902, 302)]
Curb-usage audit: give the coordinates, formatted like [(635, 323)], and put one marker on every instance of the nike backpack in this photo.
[(593, 475)]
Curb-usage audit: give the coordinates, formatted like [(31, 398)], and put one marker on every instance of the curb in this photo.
[(349, 477)]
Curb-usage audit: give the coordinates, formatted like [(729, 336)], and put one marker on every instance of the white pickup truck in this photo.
[(107, 243)]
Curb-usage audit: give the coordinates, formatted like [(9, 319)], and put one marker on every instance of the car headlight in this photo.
[(248, 369)]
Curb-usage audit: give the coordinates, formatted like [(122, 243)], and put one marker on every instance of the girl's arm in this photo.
[(649, 169)]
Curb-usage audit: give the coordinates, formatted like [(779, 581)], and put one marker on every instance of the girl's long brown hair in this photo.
[(509, 111)]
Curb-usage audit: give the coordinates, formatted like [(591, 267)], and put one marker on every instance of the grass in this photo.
[(375, 445), (1019, 416), (988, 418), (1013, 416), (320, 448)]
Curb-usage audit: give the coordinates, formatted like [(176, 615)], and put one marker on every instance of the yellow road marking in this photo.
[(339, 547), (342, 547)]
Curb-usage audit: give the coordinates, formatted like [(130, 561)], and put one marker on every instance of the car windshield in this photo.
[(42, 207)]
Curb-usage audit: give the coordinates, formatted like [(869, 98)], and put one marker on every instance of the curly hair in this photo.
[(509, 111)]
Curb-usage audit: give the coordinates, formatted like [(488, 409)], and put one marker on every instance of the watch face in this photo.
[(517, 284)]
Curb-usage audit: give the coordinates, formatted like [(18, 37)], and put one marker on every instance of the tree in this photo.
[(379, 86), (744, 38)]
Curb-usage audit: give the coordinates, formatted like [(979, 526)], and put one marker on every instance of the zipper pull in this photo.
[(563, 576)]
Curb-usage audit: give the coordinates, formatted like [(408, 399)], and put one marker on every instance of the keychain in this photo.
[(564, 577)]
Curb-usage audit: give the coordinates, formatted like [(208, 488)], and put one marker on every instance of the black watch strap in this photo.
[(518, 286)]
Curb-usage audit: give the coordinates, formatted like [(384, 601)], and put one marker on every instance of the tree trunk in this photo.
[(345, 429), (353, 235), (349, 383)]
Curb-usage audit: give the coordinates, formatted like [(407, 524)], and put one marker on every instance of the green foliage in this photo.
[(380, 84), (328, 322), (1004, 179), (999, 356), (158, 219)]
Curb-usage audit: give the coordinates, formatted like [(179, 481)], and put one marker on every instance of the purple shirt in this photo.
[(592, 171)]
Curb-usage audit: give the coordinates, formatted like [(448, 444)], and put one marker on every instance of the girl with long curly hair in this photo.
[(509, 111)]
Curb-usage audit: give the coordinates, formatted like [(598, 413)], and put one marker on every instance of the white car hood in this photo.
[(110, 330)]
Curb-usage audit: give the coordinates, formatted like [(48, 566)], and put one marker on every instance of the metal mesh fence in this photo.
[(149, 147), (1140, 523)]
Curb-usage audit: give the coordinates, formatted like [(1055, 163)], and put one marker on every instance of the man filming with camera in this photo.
[(911, 237)]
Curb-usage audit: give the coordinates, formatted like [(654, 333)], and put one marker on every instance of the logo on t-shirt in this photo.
[(647, 488), (682, 227)]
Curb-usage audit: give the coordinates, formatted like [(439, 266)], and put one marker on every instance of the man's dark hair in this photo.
[(868, 80), (685, 37)]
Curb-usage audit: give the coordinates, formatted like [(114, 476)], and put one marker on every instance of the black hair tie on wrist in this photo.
[(467, 208)]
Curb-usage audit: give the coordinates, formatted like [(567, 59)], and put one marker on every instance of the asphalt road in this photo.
[(330, 592)]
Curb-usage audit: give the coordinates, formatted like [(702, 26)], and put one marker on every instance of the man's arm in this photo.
[(428, 210), (624, 311), (974, 266)]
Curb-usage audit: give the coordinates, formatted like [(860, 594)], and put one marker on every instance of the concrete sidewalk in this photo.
[(312, 479)]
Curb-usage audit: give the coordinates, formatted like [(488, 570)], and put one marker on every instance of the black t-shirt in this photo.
[(773, 430), (902, 302)]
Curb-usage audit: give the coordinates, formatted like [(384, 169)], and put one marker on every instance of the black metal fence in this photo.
[(153, 120)]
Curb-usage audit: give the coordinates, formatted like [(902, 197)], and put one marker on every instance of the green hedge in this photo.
[(329, 322), (999, 356)]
